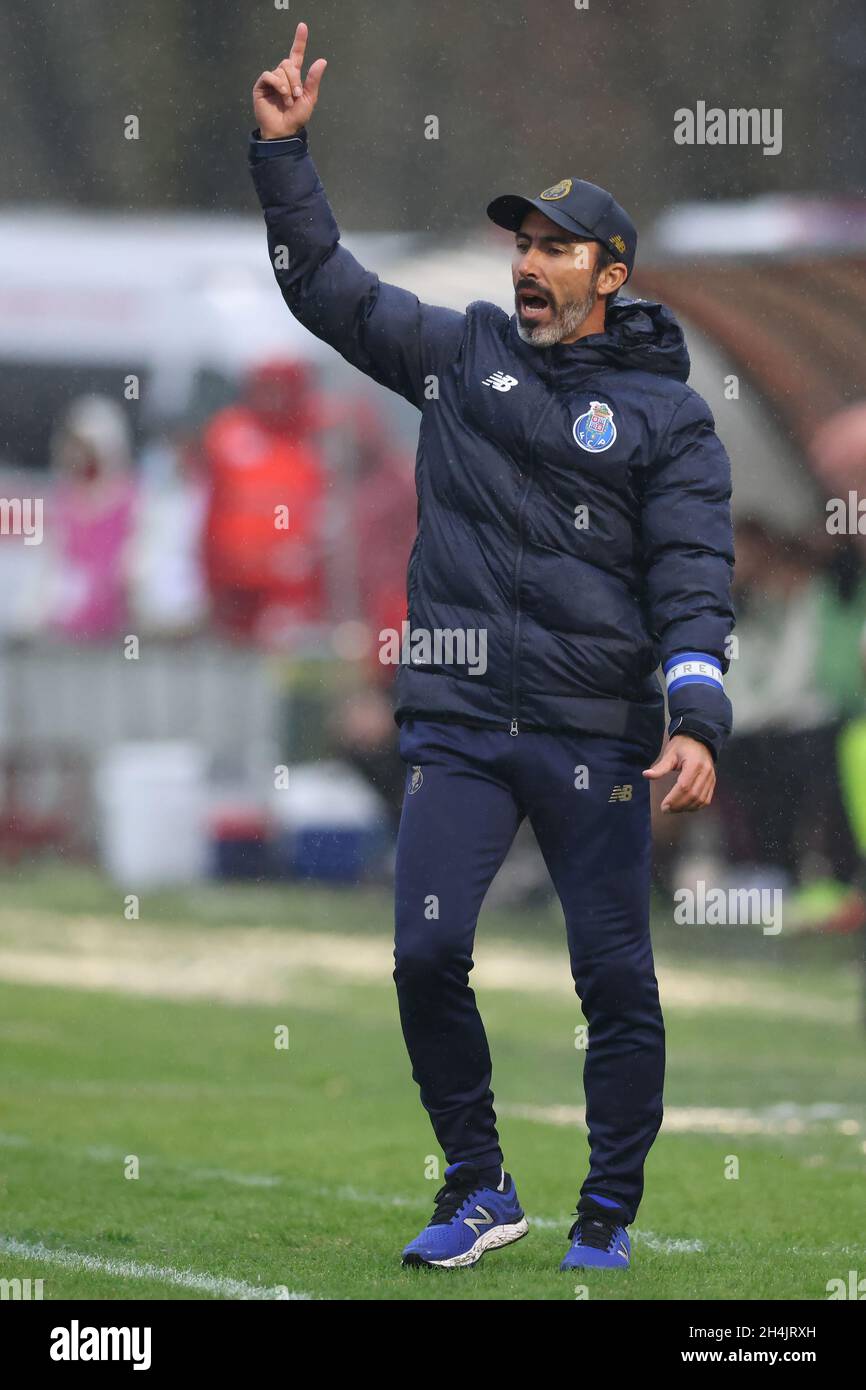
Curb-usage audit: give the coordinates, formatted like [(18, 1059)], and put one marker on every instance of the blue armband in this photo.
[(692, 668)]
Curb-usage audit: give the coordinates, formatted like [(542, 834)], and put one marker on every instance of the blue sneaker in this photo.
[(470, 1217), (598, 1241)]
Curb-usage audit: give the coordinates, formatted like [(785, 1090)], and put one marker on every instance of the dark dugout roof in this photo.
[(795, 327)]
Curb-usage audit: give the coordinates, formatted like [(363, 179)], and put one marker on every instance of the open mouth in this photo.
[(531, 304)]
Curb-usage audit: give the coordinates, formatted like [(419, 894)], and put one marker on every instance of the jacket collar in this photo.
[(639, 335)]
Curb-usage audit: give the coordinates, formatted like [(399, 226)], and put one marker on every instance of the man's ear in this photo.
[(612, 278)]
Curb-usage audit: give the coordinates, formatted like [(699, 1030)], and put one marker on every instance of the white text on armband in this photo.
[(692, 668)]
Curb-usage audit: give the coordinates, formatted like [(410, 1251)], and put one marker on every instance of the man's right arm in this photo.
[(384, 331)]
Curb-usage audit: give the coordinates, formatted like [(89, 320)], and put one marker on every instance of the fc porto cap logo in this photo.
[(595, 430), (558, 190)]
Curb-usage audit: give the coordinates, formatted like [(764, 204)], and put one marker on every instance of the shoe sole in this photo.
[(490, 1240), (566, 1269)]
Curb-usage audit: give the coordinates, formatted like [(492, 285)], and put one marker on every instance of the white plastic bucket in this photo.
[(151, 813)]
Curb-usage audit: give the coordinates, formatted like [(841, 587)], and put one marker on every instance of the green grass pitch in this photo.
[(267, 1172)]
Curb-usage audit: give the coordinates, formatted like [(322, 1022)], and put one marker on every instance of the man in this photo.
[(574, 527)]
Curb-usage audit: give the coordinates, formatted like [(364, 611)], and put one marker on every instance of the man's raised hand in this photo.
[(282, 103)]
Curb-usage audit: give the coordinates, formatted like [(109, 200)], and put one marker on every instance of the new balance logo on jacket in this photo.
[(500, 381)]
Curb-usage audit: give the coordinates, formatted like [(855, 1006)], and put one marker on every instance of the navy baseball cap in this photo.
[(580, 207)]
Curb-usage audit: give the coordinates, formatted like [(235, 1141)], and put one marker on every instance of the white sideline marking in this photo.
[(240, 1179), (263, 965), (666, 1245), (164, 1090), (103, 1153), (352, 1194), (785, 1118), (132, 1269)]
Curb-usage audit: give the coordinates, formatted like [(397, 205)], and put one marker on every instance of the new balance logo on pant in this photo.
[(622, 793)]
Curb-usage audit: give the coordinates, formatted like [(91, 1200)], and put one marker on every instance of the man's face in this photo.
[(555, 280)]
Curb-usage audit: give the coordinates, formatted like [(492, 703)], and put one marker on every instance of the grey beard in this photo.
[(567, 321)]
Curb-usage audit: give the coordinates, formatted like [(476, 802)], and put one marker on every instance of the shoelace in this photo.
[(450, 1198), (595, 1231)]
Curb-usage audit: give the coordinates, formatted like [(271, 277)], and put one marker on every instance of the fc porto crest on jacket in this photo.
[(595, 430)]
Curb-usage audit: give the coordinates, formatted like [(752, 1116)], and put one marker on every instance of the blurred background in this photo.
[(199, 782)]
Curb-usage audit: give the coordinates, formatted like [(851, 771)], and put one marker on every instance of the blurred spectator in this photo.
[(260, 457), (792, 682), (169, 593), (838, 451), (81, 590), (385, 508), (364, 734)]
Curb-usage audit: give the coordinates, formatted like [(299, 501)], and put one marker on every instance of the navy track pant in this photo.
[(467, 791)]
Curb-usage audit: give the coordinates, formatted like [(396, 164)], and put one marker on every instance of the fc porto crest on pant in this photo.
[(595, 430)]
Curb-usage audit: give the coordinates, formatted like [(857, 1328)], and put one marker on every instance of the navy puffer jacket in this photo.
[(574, 501)]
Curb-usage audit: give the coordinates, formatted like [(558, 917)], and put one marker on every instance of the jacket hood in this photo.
[(639, 336)]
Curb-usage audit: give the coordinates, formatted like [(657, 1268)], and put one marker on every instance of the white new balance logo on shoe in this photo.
[(483, 1218), (500, 381)]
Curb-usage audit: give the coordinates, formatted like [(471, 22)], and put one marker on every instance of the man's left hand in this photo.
[(694, 787)]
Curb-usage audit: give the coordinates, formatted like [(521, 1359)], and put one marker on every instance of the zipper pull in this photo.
[(513, 730)]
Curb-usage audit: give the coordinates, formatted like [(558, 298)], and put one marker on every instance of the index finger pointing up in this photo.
[(299, 46), (295, 60)]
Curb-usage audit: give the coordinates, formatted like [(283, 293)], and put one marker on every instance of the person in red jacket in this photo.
[(263, 535)]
